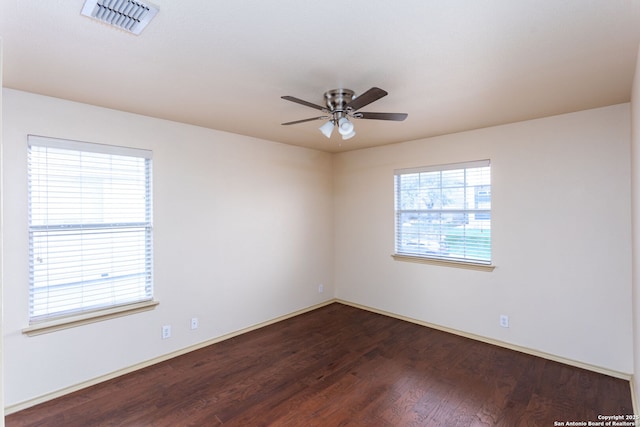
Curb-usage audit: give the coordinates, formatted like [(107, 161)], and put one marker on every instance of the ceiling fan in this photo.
[(341, 105)]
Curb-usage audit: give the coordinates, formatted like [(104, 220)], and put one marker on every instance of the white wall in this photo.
[(561, 237), (241, 236), (635, 199)]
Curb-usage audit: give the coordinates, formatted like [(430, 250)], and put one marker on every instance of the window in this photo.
[(90, 227), (444, 212)]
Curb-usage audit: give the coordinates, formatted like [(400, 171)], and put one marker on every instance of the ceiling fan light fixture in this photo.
[(345, 127), (349, 135), (342, 104), (327, 128)]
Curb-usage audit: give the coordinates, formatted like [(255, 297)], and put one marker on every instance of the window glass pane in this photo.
[(445, 213), (452, 178), (89, 229), (454, 198), (429, 189)]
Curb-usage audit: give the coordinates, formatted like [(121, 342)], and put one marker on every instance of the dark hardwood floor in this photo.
[(341, 366)]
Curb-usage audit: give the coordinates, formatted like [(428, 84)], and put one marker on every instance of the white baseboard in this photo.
[(633, 395), (59, 393)]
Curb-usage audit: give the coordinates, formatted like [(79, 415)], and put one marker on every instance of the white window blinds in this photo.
[(90, 227), (444, 212)]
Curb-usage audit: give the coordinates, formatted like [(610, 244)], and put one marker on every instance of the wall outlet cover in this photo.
[(504, 320), (166, 332)]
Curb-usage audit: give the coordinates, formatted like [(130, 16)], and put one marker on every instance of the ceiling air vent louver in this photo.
[(131, 16)]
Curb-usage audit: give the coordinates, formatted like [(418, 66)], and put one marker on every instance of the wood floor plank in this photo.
[(341, 366)]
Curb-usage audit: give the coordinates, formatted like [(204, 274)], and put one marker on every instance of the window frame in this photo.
[(41, 321), (471, 210)]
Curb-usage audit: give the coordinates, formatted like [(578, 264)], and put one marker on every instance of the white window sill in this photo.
[(444, 263), (85, 318)]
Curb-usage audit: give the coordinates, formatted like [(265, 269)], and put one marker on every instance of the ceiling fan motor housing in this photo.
[(337, 99)]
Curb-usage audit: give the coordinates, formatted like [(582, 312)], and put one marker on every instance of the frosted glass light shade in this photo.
[(326, 129), (345, 127), (349, 135)]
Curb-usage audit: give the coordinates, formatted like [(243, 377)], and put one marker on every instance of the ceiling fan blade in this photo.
[(381, 116), (306, 120), (366, 98), (303, 102)]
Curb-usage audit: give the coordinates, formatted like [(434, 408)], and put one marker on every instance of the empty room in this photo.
[(336, 213)]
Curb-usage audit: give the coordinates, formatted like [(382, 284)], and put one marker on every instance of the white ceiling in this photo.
[(451, 65)]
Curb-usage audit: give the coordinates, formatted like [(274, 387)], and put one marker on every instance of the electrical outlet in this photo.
[(166, 332), (194, 323), (320, 288), (504, 320)]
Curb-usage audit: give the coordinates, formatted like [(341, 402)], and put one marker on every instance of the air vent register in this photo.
[(131, 16)]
